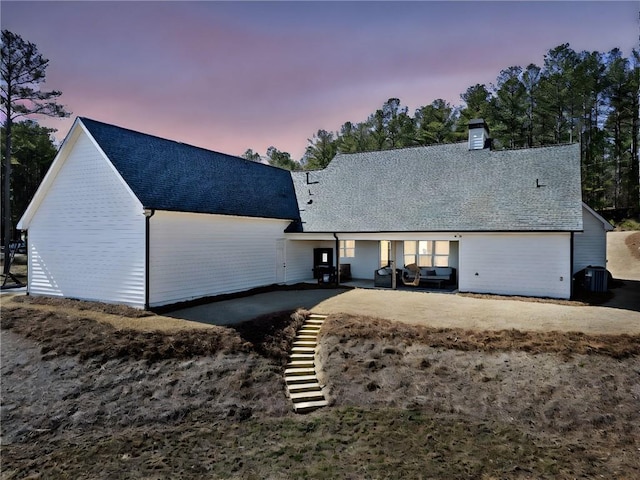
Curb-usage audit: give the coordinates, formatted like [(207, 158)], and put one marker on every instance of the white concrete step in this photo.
[(317, 316), (307, 337), (304, 387), (302, 356), (313, 322), (299, 371), (303, 349), (304, 407), (304, 343), (296, 379), (313, 329), (300, 364), (311, 333), (306, 396)]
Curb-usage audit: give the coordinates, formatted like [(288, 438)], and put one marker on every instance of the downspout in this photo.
[(337, 260), (571, 266), (148, 213)]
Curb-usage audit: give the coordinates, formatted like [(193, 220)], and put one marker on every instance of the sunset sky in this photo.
[(231, 76)]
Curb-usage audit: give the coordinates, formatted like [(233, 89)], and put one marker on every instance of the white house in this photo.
[(129, 218)]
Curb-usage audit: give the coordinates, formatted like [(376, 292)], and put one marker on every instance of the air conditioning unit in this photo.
[(595, 279)]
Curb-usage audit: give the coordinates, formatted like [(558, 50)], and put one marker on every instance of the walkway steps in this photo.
[(300, 376)]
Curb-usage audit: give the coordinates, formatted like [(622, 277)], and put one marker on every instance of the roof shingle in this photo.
[(444, 188), (168, 175)]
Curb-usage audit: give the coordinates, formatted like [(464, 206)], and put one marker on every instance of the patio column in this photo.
[(392, 261)]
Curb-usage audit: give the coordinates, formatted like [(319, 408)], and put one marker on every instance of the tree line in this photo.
[(586, 97)]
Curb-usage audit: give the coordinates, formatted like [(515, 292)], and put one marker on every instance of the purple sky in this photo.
[(231, 76)]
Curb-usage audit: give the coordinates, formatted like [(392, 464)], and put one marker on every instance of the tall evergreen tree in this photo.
[(22, 71), (321, 150), (435, 123)]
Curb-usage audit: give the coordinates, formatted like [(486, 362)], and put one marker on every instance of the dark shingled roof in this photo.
[(167, 175), (445, 188)]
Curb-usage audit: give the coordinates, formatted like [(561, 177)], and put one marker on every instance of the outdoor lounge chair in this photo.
[(412, 268)]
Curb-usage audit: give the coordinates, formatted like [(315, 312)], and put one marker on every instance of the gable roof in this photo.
[(168, 175), (605, 223), (444, 188)]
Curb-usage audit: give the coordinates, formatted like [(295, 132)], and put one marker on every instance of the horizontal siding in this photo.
[(86, 240), (300, 258), (199, 255), (366, 261), (590, 246), (535, 265)]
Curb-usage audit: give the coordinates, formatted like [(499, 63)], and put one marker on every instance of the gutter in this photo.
[(148, 213)]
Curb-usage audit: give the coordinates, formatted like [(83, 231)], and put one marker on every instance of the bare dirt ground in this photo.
[(100, 392)]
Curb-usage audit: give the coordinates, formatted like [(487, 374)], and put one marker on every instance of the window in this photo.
[(347, 248), (427, 253), (385, 250)]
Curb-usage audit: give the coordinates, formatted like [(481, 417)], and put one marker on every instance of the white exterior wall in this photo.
[(299, 256), (366, 260), (86, 238), (590, 246), (516, 264), (197, 255)]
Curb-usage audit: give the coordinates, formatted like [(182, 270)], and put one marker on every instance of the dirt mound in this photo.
[(350, 327), (633, 243), (58, 334)]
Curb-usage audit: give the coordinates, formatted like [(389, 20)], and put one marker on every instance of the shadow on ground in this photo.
[(238, 310), (626, 295)]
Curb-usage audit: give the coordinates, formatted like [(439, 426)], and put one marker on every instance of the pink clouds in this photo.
[(232, 76)]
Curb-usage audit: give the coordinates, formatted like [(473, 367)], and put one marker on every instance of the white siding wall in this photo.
[(300, 258), (86, 239), (195, 255), (590, 246), (516, 264), (366, 261)]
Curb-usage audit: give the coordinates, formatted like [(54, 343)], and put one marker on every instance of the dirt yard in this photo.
[(94, 391), (101, 392)]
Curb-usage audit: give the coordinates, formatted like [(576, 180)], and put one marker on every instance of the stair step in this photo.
[(305, 336), (304, 343), (297, 379), (303, 407), (300, 364), (299, 371), (311, 326), (313, 333), (313, 321), (306, 396), (302, 356), (304, 387), (317, 316), (303, 349)]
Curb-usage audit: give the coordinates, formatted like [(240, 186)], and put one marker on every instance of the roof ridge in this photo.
[(188, 145)]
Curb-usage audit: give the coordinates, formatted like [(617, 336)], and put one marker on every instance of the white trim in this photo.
[(56, 165), (607, 226), (61, 157)]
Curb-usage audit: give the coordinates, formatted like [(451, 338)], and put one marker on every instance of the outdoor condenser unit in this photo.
[(595, 279)]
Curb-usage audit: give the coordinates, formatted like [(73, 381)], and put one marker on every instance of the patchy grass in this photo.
[(83, 398), (570, 343), (70, 333), (628, 224), (338, 443)]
